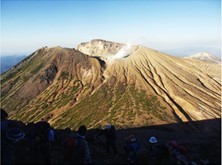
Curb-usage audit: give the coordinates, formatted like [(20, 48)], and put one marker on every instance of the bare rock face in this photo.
[(99, 47), (134, 86), (107, 50)]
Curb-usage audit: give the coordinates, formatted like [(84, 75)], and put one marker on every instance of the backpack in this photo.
[(69, 146)]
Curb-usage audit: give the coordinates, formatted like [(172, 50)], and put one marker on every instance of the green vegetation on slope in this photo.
[(13, 80), (119, 105)]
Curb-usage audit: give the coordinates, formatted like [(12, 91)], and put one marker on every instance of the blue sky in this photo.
[(179, 27)]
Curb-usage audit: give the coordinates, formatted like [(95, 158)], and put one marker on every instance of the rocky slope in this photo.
[(106, 50), (139, 87)]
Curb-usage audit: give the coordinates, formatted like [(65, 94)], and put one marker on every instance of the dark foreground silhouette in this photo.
[(199, 142)]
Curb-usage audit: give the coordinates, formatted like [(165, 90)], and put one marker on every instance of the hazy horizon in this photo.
[(177, 27), (180, 52)]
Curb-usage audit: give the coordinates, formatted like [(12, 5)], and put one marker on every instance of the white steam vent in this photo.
[(124, 51)]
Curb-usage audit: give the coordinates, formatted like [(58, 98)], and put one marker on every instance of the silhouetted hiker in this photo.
[(51, 135), (42, 140), (4, 126), (178, 153), (30, 131), (61, 135), (110, 134), (17, 149), (4, 114), (131, 148), (80, 152), (5, 123), (156, 151), (69, 143)]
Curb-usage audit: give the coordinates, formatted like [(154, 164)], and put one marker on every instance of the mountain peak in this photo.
[(106, 49), (140, 87), (205, 56)]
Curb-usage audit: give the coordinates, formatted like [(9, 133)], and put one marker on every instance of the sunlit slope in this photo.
[(69, 88), (185, 86), (45, 78)]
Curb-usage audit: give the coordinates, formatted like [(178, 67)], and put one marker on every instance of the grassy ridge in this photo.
[(71, 99), (13, 80), (121, 105)]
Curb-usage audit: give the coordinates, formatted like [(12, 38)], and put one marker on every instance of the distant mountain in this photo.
[(204, 56), (9, 61), (106, 82)]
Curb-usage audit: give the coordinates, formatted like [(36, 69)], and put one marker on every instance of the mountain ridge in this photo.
[(146, 87), (204, 56)]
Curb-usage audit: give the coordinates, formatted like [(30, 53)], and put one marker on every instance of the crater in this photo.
[(107, 50)]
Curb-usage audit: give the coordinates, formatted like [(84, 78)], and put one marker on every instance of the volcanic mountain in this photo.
[(105, 82), (204, 56)]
